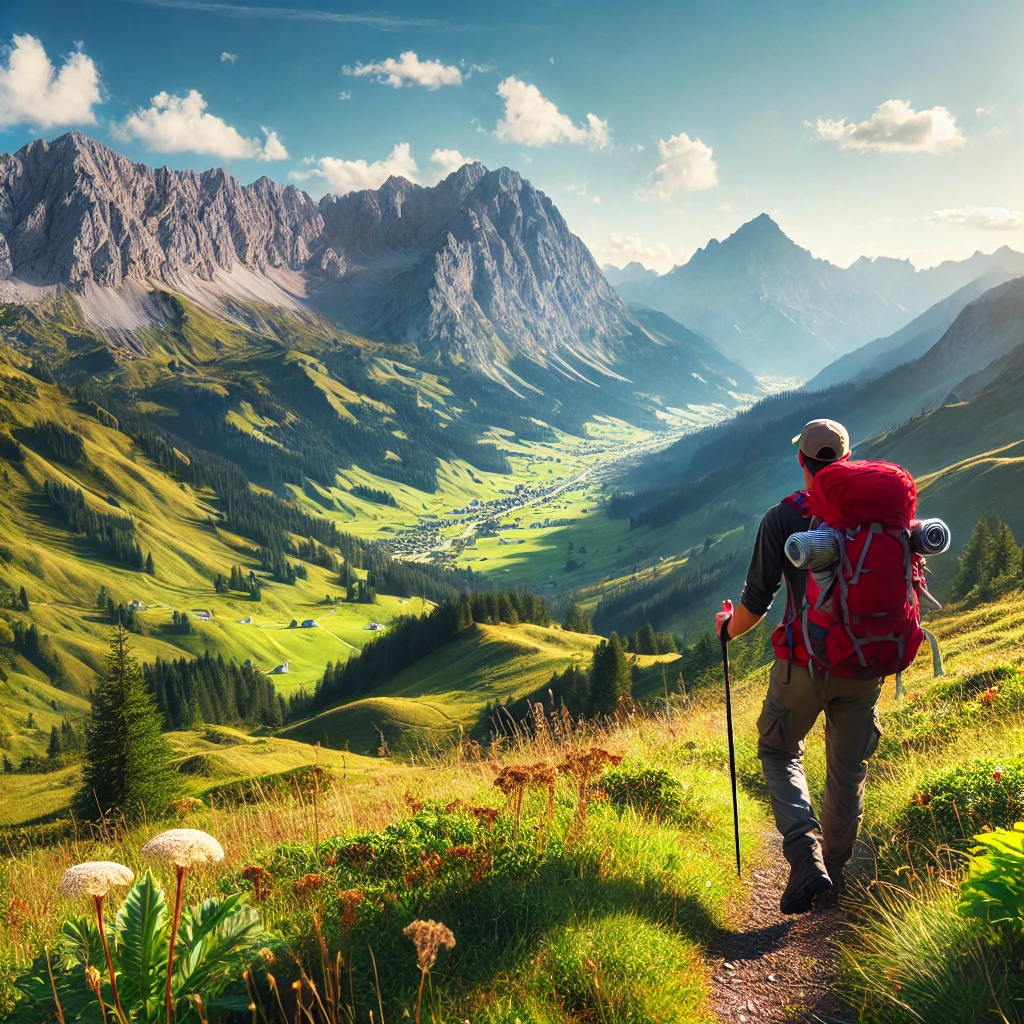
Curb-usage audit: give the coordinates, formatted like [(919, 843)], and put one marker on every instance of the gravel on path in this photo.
[(774, 967)]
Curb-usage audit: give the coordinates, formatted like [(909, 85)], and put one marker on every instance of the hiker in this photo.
[(800, 687)]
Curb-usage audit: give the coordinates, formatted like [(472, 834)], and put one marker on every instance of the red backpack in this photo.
[(862, 618)]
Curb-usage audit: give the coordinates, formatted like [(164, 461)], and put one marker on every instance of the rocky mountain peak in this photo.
[(481, 266)]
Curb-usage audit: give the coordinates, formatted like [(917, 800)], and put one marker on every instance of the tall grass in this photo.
[(625, 889)]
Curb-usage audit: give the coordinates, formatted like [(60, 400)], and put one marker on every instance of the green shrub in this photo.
[(954, 804), (994, 887), (624, 969), (653, 792)]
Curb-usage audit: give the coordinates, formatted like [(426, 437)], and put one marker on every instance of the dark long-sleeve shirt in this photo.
[(769, 564)]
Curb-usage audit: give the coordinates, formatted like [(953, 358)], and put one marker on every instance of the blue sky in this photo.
[(877, 128)]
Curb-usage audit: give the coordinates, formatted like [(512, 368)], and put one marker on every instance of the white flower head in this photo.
[(184, 848), (94, 878)]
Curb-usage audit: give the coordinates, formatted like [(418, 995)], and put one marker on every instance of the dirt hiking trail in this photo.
[(777, 968)]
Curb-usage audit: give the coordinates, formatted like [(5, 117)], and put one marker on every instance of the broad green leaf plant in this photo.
[(214, 943), (994, 888)]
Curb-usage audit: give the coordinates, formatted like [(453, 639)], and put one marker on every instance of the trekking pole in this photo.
[(724, 636)]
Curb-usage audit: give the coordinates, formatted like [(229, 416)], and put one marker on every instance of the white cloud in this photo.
[(532, 120), (34, 92), (687, 165), (447, 161), (991, 218), (181, 124), (344, 95), (228, 58), (637, 147), (408, 70), (895, 127), (620, 248), (344, 176)]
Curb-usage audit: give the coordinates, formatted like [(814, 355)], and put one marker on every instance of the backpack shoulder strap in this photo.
[(799, 500)]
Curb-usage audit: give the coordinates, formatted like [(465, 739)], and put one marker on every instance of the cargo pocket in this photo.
[(772, 724), (874, 735)]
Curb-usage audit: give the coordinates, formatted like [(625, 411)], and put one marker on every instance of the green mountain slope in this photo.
[(451, 688)]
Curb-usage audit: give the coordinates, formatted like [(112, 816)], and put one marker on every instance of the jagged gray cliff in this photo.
[(480, 268)]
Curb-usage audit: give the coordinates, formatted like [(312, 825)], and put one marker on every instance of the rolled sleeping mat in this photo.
[(930, 537), (813, 549)]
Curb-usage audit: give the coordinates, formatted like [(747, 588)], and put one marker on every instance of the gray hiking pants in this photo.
[(851, 737)]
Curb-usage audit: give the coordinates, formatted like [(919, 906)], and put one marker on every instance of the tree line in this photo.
[(272, 522), (413, 637), (58, 442), (113, 534), (656, 600), (209, 690)]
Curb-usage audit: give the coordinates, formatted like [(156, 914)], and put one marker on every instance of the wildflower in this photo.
[(185, 805), (997, 775), (582, 766), (183, 848), (488, 815), (308, 883), (512, 780), (260, 879), (988, 696), (96, 878), (428, 937), (349, 900), (94, 983)]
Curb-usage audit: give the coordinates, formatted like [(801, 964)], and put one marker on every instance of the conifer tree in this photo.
[(577, 619), (23, 600), (1004, 568), (55, 749), (610, 676), (127, 769), (975, 560), (150, 568)]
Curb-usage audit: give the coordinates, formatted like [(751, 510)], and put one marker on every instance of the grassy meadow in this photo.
[(559, 916)]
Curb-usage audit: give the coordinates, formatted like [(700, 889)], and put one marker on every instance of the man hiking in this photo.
[(819, 632)]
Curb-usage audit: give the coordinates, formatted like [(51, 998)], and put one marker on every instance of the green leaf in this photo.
[(214, 938), (141, 938)]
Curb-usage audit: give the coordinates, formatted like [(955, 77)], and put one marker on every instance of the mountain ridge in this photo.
[(775, 305), (480, 268)]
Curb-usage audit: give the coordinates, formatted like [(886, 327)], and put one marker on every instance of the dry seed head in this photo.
[(94, 878), (184, 848), (513, 778), (93, 979), (428, 937)]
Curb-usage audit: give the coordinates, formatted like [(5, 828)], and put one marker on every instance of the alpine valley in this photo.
[(324, 521), (264, 430)]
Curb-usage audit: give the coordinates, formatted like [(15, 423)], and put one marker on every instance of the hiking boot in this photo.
[(837, 873), (829, 899), (806, 882)]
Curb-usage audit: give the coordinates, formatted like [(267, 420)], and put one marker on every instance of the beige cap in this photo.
[(824, 440)]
